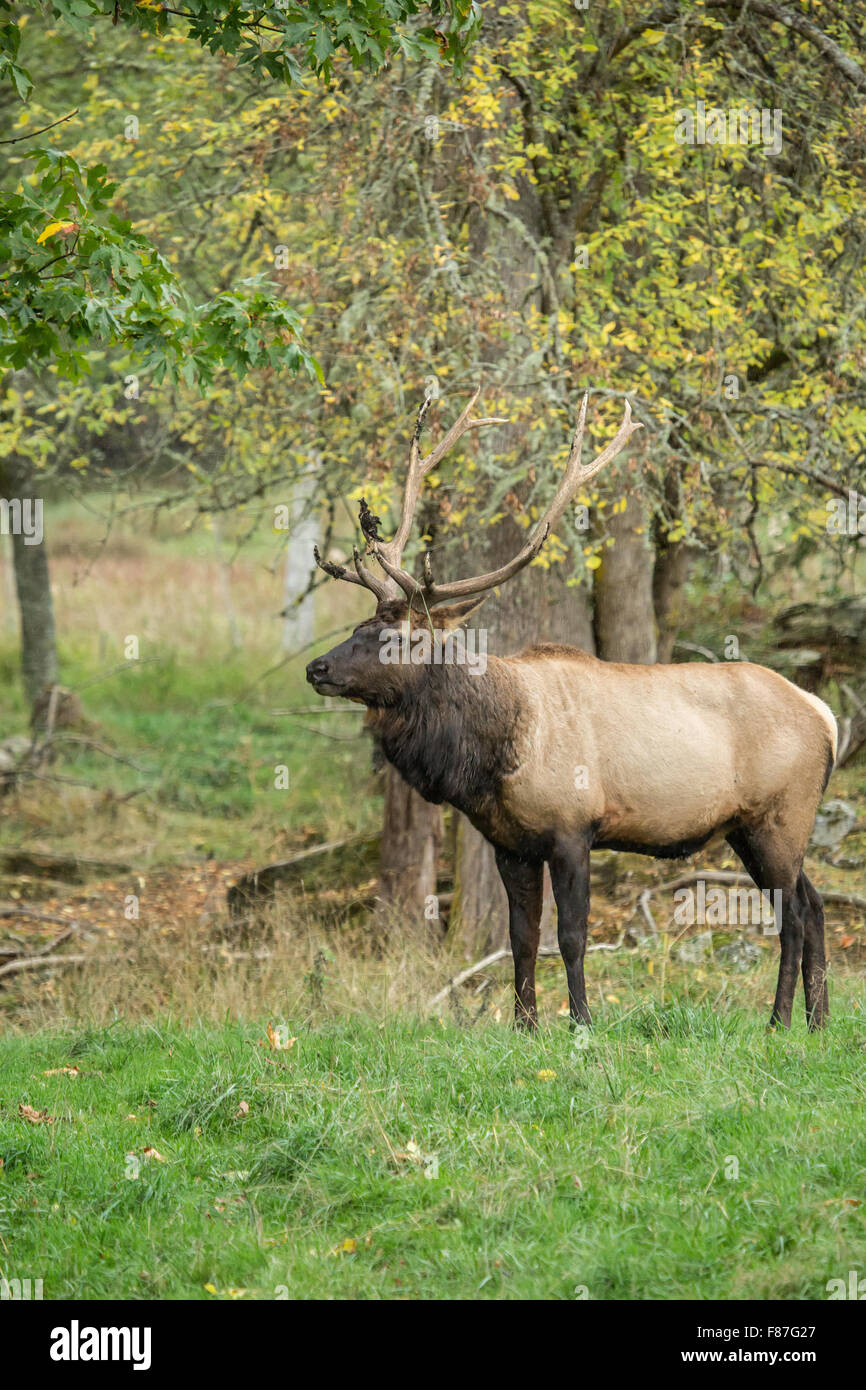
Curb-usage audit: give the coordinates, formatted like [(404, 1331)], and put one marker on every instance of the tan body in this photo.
[(658, 757)]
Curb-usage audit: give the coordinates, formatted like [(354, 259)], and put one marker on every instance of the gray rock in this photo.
[(695, 948), (741, 954), (12, 750), (834, 821)]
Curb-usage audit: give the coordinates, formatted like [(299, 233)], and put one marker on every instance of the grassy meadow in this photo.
[(184, 1115), (422, 1159)]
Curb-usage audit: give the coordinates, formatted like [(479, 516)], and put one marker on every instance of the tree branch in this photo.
[(806, 29)]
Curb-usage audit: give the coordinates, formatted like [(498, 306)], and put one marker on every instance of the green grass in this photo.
[(607, 1166)]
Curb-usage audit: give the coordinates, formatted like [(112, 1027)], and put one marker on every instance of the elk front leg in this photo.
[(569, 874), (523, 881)]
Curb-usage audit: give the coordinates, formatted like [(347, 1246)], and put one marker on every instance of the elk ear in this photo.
[(456, 613)]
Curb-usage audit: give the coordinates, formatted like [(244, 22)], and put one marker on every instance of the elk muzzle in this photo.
[(320, 677)]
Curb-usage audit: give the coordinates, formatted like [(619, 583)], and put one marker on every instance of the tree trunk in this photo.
[(673, 563), (298, 619), (411, 842), (33, 586), (671, 570), (624, 616)]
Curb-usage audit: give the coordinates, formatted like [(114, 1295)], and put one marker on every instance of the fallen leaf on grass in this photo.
[(35, 1117), (63, 1071), (153, 1154), (276, 1043), (412, 1154), (242, 1110)]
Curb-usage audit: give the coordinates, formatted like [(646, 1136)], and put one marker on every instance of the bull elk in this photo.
[(553, 753)]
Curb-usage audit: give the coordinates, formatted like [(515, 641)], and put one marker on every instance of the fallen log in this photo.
[(254, 888), (504, 953), (23, 961), (70, 868), (19, 910), (50, 962)]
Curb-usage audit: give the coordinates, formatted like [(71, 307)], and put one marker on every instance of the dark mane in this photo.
[(454, 737)]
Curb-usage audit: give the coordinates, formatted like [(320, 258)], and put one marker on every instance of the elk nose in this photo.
[(317, 669)]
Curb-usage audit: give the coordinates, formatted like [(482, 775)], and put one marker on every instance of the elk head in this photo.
[(355, 668)]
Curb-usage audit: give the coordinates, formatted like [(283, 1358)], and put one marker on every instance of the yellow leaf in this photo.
[(210, 1288), (49, 231), (276, 1042), (546, 1074)]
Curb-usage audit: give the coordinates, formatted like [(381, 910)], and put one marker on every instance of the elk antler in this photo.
[(390, 553)]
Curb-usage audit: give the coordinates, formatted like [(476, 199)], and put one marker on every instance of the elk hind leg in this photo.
[(771, 868), (814, 955), (569, 875)]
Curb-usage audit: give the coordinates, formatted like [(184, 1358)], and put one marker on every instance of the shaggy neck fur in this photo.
[(453, 735)]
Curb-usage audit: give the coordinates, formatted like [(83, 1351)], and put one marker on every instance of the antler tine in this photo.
[(459, 428), (576, 474), (335, 571), (368, 579), (390, 553), (572, 477), (362, 575), (415, 449), (408, 583), (610, 451), (393, 549)]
